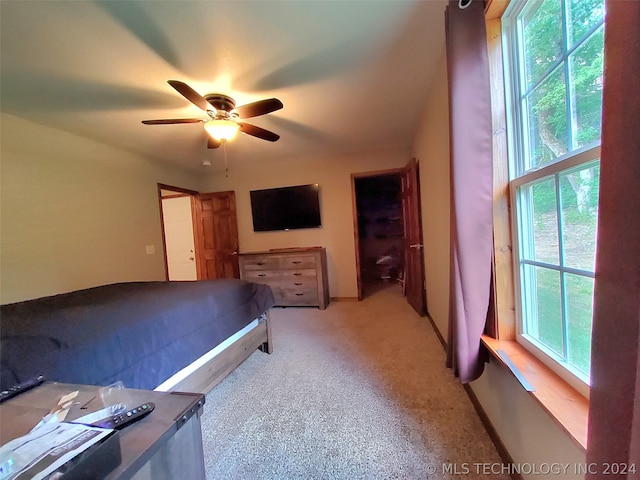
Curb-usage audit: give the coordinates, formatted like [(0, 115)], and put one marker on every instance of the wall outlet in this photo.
[(151, 249)]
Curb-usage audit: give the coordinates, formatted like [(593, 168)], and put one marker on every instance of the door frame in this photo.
[(356, 231), (179, 191)]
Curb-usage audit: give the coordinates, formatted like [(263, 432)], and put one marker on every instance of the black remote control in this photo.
[(21, 388), (123, 419)]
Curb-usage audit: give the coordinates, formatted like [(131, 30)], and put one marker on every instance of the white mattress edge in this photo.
[(176, 378)]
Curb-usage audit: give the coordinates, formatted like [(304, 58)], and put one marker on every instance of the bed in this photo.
[(178, 336)]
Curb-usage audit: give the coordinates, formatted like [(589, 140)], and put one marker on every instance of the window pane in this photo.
[(540, 239), (542, 297), (583, 15), (579, 193), (547, 114), (579, 291), (586, 89), (543, 40)]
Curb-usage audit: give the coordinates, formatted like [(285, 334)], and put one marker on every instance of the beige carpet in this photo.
[(357, 391)]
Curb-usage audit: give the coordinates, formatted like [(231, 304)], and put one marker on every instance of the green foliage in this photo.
[(579, 312), (544, 197), (545, 43), (587, 63)]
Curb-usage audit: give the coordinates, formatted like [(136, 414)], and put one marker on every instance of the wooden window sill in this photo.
[(561, 401)]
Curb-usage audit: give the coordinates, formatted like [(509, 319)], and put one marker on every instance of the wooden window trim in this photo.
[(502, 240), (556, 397)]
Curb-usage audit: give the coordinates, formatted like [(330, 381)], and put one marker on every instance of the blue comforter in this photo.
[(139, 332)]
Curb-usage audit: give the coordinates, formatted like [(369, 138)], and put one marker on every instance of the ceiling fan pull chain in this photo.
[(226, 166)]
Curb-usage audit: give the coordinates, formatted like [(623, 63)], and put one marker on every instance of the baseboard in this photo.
[(438, 334), (484, 418), (493, 434), (344, 299)]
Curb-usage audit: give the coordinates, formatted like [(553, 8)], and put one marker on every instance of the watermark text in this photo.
[(552, 468)]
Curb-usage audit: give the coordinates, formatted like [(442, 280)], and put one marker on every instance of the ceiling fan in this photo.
[(223, 124)]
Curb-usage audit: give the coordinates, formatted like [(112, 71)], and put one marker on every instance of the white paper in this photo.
[(68, 397), (44, 450)]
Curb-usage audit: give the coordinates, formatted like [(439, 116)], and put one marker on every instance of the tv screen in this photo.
[(285, 208)]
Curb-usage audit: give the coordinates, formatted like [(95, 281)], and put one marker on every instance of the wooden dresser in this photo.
[(297, 276)]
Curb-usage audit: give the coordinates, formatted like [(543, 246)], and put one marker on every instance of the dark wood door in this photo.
[(216, 235), (414, 285)]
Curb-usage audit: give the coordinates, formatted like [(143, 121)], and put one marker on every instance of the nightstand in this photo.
[(166, 444)]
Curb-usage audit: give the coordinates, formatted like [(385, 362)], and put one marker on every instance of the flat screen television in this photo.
[(285, 208)]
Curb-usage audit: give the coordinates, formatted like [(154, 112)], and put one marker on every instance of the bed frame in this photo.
[(208, 375), (225, 321)]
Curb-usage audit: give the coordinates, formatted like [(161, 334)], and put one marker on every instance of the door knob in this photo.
[(416, 245)]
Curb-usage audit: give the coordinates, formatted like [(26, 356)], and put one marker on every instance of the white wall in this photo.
[(336, 207), (76, 213), (431, 148), (530, 435), (526, 430)]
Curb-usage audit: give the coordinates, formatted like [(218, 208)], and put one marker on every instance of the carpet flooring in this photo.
[(356, 391)]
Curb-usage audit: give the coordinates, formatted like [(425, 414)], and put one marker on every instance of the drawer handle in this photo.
[(299, 294), (262, 274), (297, 274), (298, 283), (296, 262), (259, 263)]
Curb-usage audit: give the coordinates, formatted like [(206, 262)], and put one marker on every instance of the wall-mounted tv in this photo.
[(285, 208)]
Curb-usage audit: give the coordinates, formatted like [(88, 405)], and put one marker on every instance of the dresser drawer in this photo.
[(261, 276), (259, 263), (306, 275), (297, 296), (298, 261)]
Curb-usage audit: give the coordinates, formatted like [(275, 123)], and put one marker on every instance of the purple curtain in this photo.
[(614, 417), (471, 187)]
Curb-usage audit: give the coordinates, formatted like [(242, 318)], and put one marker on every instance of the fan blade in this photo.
[(258, 132), (190, 94), (170, 121), (258, 108), (212, 142)]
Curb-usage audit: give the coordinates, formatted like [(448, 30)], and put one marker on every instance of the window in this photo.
[(553, 70)]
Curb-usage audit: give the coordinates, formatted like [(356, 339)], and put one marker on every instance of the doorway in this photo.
[(199, 234), (178, 232), (388, 233), (380, 230)]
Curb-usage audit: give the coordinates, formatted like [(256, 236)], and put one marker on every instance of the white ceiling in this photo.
[(352, 74)]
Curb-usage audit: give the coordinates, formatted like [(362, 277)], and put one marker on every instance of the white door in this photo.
[(178, 231)]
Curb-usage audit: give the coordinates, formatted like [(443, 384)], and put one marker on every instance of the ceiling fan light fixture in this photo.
[(222, 130)]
